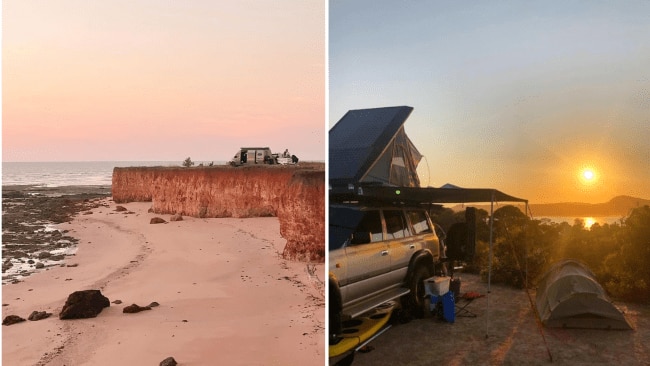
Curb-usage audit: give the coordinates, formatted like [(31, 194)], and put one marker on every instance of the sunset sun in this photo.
[(587, 176)]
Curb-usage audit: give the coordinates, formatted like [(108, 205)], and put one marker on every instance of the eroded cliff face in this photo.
[(295, 195)]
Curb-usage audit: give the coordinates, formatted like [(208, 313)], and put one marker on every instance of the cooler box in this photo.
[(437, 285), (448, 311)]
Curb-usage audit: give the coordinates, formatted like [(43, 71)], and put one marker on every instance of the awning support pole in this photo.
[(487, 312), (526, 255)]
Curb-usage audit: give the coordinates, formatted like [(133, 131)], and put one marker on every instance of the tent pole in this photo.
[(487, 312)]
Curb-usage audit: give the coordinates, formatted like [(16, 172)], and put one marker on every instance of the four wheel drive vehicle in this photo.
[(377, 254), (261, 155), (253, 155)]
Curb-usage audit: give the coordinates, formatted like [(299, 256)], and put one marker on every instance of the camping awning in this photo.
[(422, 195)]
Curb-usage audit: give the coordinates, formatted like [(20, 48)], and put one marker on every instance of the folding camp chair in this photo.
[(462, 302)]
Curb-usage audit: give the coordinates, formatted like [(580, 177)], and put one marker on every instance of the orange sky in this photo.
[(512, 95), (160, 80)]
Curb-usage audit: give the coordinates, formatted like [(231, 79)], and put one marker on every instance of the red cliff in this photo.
[(295, 195)]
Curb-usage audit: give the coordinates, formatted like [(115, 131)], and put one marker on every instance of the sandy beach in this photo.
[(513, 337), (225, 294)]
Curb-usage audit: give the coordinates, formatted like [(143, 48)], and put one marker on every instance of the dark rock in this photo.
[(157, 220), (120, 208), (6, 265), (12, 319), (40, 265), (134, 308), (117, 302), (176, 217), (43, 255), (57, 257), (31, 261), (169, 361), (150, 210), (38, 315), (84, 304), (88, 213), (153, 304)]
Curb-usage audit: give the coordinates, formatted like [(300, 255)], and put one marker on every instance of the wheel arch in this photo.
[(422, 257), (335, 299)]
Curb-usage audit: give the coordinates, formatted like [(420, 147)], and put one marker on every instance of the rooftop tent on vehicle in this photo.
[(372, 160), (568, 296), (371, 146)]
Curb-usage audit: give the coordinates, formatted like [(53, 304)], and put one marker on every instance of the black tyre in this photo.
[(335, 313), (415, 299)]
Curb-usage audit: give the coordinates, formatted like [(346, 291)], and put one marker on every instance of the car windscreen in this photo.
[(342, 223)]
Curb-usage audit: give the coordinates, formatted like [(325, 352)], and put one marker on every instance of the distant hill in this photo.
[(617, 206)]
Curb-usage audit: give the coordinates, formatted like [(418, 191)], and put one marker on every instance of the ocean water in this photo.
[(22, 261), (58, 174), (588, 220)]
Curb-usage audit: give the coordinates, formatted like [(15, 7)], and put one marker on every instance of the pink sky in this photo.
[(152, 80)]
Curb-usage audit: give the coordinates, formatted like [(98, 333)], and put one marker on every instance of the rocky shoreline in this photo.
[(30, 239)]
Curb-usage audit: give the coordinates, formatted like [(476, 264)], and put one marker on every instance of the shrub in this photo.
[(617, 254), (188, 162)]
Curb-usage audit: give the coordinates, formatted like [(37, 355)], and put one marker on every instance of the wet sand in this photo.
[(29, 214)]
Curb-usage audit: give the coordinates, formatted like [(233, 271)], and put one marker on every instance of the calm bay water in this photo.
[(588, 220), (58, 174)]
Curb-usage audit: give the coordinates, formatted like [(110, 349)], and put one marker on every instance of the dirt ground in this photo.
[(509, 336)]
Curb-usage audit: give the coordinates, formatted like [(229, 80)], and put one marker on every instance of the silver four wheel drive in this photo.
[(377, 254)]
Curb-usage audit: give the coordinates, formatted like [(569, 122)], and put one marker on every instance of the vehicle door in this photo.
[(366, 259), (343, 222), (259, 157), (401, 244), (424, 232)]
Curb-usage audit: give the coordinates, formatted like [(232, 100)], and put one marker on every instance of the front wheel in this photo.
[(415, 301)]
